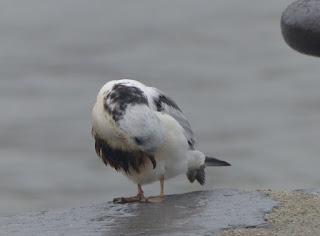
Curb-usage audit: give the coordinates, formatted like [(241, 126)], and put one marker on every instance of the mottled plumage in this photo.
[(143, 133)]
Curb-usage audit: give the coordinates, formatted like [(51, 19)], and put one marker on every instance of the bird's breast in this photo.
[(127, 161)]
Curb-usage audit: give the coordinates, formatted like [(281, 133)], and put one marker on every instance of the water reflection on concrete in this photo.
[(197, 213)]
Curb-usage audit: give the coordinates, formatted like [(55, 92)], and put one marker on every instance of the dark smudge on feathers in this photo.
[(122, 160), (197, 174), (121, 95), (160, 103), (162, 99)]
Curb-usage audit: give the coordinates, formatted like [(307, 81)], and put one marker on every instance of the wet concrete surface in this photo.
[(297, 213), (195, 213)]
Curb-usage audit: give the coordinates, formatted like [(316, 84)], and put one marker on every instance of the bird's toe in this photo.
[(123, 200), (155, 199)]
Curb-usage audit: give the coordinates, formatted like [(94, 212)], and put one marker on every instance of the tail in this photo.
[(199, 173), (211, 161)]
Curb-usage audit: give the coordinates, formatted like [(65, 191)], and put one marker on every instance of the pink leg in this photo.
[(140, 191), (138, 198), (160, 198)]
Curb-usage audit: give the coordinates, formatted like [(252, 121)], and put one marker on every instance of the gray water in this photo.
[(250, 99)]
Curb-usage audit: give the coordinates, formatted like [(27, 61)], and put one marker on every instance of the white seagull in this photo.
[(141, 132)]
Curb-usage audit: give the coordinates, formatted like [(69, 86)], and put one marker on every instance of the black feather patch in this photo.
[(122, 160), (197, 174), (153, 161), (201, 175), (191, 143), (191, 175), (120, 96), (161, 100)]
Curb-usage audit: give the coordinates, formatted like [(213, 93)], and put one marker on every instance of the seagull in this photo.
[(142, 133)]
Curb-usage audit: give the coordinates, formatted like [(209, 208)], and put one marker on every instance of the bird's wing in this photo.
[(163, 103)]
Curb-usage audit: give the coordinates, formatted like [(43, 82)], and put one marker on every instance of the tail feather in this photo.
[(211, 161), (199, 173)]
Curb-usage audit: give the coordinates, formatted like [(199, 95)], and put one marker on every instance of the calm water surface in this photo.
[(250, 99)]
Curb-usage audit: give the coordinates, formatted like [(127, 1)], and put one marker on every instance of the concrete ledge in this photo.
[(221, 211), (298, 213)]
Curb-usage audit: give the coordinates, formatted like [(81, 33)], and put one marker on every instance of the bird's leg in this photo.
[(162, 187), (160, 198), (138, 198), (140, 194)]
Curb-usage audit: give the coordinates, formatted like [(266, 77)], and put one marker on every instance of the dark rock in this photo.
[(300, 25), (196, 213)]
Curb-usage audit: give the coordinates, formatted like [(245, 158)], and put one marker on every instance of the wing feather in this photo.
[(163, 103), (132, 105)]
